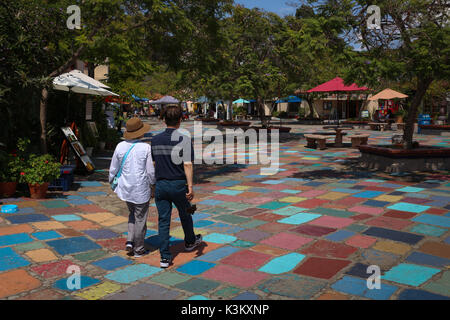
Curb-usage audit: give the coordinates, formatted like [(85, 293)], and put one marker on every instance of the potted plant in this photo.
[(38, 173), (11, 166), (399, 115)]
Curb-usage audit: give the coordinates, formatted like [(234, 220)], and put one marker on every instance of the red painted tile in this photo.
[(286, 241), (389, 223), (113, 244), (234, 276), (268, 217), (315, 231), (53, 269), (361, 217), (322, 268), (311, 203), (350, 201), (90, 208), (246, 259), (274, 227), (399, 214), (325, 248), (361, 241), (436, 211)]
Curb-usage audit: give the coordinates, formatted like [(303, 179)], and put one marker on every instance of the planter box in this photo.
[(400, 160), (66, 179)]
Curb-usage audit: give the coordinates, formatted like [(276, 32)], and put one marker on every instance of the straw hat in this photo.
[(135, 129)]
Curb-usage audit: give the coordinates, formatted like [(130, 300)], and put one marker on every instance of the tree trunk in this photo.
[(43, 119), (261, 111), (311, 107), (408, 133)]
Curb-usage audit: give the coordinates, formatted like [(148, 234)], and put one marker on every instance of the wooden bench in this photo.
[(314, 140), (359, 139), (400, 126), (379, 126)]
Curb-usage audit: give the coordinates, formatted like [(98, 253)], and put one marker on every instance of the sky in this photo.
[(280, 7)]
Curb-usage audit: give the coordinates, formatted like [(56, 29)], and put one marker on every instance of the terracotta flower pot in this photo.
[(7, 189), (38, 191), (399, 119)]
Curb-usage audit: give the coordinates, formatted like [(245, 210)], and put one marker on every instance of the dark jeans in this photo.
[(166, 193)]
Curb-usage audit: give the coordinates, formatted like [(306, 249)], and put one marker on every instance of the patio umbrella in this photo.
[(388, 94), (241, 101), (86, 78), (166, 100), (70, 82)]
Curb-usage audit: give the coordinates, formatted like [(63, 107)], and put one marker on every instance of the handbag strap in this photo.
[(119, 173)]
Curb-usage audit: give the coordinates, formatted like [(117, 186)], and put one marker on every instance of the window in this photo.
[(327, 105)]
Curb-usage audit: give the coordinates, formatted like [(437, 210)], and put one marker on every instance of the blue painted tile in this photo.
[(246, 296), (358, 287), (112, 263), (79, 202), (197, 297), (66, 217), (84, 283), (89, 183), (427, 259), (9, 259), (195, 267), (54, 204), (219, 238), (46, 235), (229, 183), (272, 182), (410, 274), (428, 230), (132, 273), (218, 254), (447, 240), (12, 239), (73, 245), (210, 202), (232, 230), (391, 185), (101, 234), (376, 203), (300, 218), (359, 270), (405, 237), (282, 264), (368, 194), (203, 223), (155, 241), (260, 190), (340, 235), (24, 210), (291, 191), (27, 218), (345, 190), (433, 219), (228, 192), (196, 217), (415, 294), (92, 193), (409, 207)]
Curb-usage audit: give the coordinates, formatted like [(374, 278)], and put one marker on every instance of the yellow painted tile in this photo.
[(178, 232), (114, 221), (99, 291), (41, 255), (333, 196), (98, 217), (392, 247), (26, 204), (239, 188), (292, 199), (48, 225), (388, 198)]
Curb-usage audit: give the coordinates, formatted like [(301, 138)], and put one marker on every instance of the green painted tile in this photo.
[(232, 219), (90, 256), (428, 230), (356, 227), (440, 286), (243, 244), (170, 278), (54, 204), (29, 246), (227, 292), (332, 212), (253, 224), (198, 285)]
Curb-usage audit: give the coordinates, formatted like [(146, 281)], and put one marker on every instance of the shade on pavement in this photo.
[(388, 94)]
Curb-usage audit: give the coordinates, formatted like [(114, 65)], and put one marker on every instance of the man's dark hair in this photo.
[(172, 114)]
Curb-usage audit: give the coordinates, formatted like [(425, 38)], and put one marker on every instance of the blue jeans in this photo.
[(166, 193)]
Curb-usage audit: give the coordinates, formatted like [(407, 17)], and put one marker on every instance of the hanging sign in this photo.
[(78, 148)]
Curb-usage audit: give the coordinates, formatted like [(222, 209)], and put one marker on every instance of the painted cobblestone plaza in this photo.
[(308, 232)]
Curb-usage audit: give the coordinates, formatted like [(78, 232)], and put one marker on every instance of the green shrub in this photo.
[(40, 169)]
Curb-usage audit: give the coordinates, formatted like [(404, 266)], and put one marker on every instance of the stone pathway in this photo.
[(308, 232)]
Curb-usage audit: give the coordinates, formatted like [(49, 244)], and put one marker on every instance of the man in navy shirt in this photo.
[(173, 155)]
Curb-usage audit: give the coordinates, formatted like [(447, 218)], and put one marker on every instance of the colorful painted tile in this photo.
[(246, 259), (195, 268), (27, 218), (286, 241), (41, 255), (9, 259), (415, 294), (428, 230), (274, 205), (219, 238), (112, 263), (13, 239), (358, 287), (293, 286), (73, 245), (440, 221), (410, 189), (400, 236), (408, 207), (234, 276), (428, 259), (300, 218), (322, 268), (66, 217), (282, 264), (16, 281), (99, 291), (410, 274), (198, 285), (54, 204), (132, 273), (332, 222), (46, 235)]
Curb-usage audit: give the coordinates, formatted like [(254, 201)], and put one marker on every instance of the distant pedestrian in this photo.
[(174, 183), (132, 160)]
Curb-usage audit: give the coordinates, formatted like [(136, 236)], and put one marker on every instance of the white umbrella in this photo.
[(86, 78), (72, 83)]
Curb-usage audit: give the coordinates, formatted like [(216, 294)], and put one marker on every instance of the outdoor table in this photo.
[(339, 134)]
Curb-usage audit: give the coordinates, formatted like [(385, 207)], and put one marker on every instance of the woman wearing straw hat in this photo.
[(132, 177)]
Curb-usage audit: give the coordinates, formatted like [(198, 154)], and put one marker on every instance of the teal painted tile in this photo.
[(243, 244), (409, 207), (197, 298), (253, 224), (228, 192), (12, 239), (300, 218), (291, 191), (54, 204), (132, 273), (410, 189), (274, 205), (219, 238), (432, 219), (428, 230), (282, 264), (66, 217), (410, 274)]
